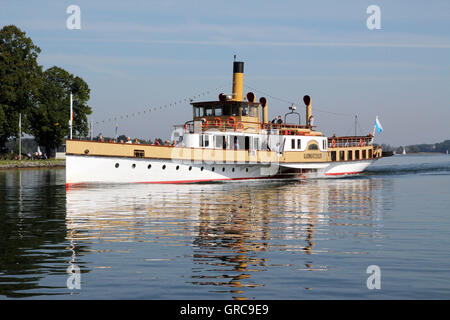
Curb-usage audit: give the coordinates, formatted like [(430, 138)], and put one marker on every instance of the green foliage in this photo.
[(49, 118), (41, 97), (20, 77)]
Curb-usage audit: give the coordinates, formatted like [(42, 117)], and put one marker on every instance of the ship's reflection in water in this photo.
[(233, 236)]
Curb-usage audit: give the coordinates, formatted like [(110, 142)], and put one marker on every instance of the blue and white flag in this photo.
[(378, 125)]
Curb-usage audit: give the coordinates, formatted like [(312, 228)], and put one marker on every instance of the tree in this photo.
[(20, 77), (50, 116)]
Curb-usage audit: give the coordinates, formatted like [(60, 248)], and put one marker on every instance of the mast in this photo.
[(71, 115)]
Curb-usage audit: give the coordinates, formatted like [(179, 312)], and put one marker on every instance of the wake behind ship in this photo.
[(228, 139)]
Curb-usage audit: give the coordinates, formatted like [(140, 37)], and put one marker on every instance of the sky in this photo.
[(141, 56)]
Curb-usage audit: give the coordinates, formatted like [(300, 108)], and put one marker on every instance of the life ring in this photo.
[(333, 143), (217, 121), (205, 123), (229, 122), (239, 125), (361, 142)]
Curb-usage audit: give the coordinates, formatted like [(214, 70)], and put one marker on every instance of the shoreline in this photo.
[(31, 164)]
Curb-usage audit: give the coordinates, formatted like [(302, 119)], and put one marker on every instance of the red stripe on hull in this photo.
[(342, 173)]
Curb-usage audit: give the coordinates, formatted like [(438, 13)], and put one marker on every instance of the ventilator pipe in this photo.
[(265, 112), (307, 101)]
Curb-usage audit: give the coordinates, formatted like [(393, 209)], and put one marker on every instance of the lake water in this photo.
[(312, 239)]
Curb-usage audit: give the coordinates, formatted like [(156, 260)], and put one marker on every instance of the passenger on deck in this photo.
[(136, 141), (157, 142), (279, 121), (129, 140)]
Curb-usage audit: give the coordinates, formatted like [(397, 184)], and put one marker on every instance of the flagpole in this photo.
[(71, 115), (20, 136)]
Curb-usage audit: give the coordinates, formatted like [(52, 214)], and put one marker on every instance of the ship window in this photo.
[(204, 141), (190, 168), (235, 110), (208, 111), (201, 169), (133, 165), (232, 170), (350, 155), (219, 142), (333, 155), (324, 144), (256, 144), (139, 153), (178, 167), (246, 169), (212, 169), (226, 110), (253, 111), (218, 111), (245, 110), (223, 169), (356, 154), (117, 165), (299, 143), (149, 166), (370, 154), (341, 155), (292, 143), (313, 146), (198, 111), (164, 167)]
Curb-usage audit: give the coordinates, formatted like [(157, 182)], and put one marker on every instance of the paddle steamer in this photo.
[(228, 139)]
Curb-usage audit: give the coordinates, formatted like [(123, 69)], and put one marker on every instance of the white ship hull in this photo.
[(93, 169)]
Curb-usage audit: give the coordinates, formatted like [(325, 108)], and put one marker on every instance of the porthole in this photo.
[(133, 165), (201, 169), (149, 166), (223, 169), (212, 169), (232, 170), (246, 169), (190, 168), (178, 167), (117, 165), (164, 167)]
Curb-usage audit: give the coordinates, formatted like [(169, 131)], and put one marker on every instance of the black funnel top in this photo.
[(238, 67)]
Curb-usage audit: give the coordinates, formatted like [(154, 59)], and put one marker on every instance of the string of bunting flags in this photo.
[(157, 108)]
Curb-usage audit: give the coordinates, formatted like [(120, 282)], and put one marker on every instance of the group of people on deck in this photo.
[(277, 120), (157, 142)]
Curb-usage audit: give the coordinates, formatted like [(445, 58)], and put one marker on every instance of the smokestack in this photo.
[(238, 80), (307, 101)]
